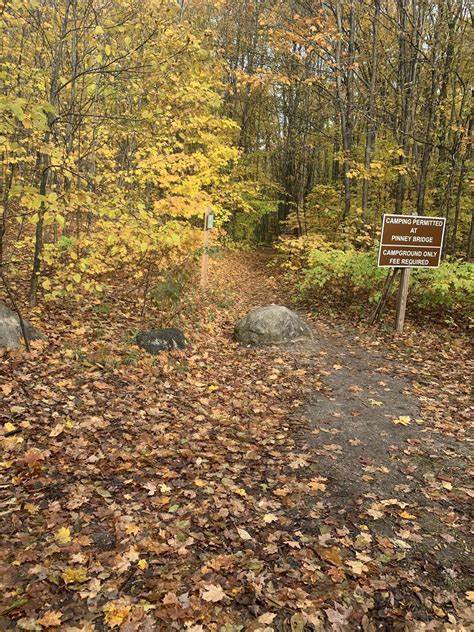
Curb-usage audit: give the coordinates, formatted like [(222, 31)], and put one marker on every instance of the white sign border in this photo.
[(443, 219)]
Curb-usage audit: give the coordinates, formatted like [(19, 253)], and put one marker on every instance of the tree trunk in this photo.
[(409, 44), (470, 242), (345, 105), (44, 159), (370, 129)]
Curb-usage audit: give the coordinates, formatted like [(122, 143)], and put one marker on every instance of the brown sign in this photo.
[(408, 241)]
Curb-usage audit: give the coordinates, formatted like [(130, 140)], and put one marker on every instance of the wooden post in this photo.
[(205, 254), (402, 299)]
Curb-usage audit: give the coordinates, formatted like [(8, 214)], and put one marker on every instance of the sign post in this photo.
[(402, 299), (406, 242)]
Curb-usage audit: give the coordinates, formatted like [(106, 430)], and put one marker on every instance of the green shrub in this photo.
[(65, 243), (450, 286), (345, 275), (170, 288)]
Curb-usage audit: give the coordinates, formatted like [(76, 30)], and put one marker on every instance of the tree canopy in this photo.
[(122, 121)]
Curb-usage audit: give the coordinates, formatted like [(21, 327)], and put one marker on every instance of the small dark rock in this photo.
[(104, 540), (158, 340)]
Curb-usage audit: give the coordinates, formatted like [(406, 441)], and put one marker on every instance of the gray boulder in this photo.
[(270, 325), (158, 340), (10, 330)]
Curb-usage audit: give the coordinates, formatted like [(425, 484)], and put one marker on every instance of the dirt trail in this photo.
[(374, 445), (229, 489), (383, 462)]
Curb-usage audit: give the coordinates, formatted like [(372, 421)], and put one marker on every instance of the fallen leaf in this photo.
[(74, 575), (406, 516), (28, 624), (317, 484), (213, 593), (151, 487), (57, 430), (268, 518), (374, 402), (245, 535), (170, 599), (116, 612), (7, 389), (403, 420), (50, 619), (356, 567), (132, 529), (63, 536), (331, 555)]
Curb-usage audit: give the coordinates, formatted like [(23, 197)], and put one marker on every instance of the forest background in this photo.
[(297, 122)]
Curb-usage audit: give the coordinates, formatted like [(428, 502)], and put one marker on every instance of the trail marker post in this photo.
[(406, 242), (208, 224)]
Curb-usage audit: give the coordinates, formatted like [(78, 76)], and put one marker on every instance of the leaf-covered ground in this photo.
[(323, 486)]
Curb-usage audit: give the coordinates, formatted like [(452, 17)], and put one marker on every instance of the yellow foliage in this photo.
[(116, 612), (74, 575), (154, 149), (63, 536)]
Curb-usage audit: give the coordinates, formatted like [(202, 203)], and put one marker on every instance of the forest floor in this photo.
[(318, 486)]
